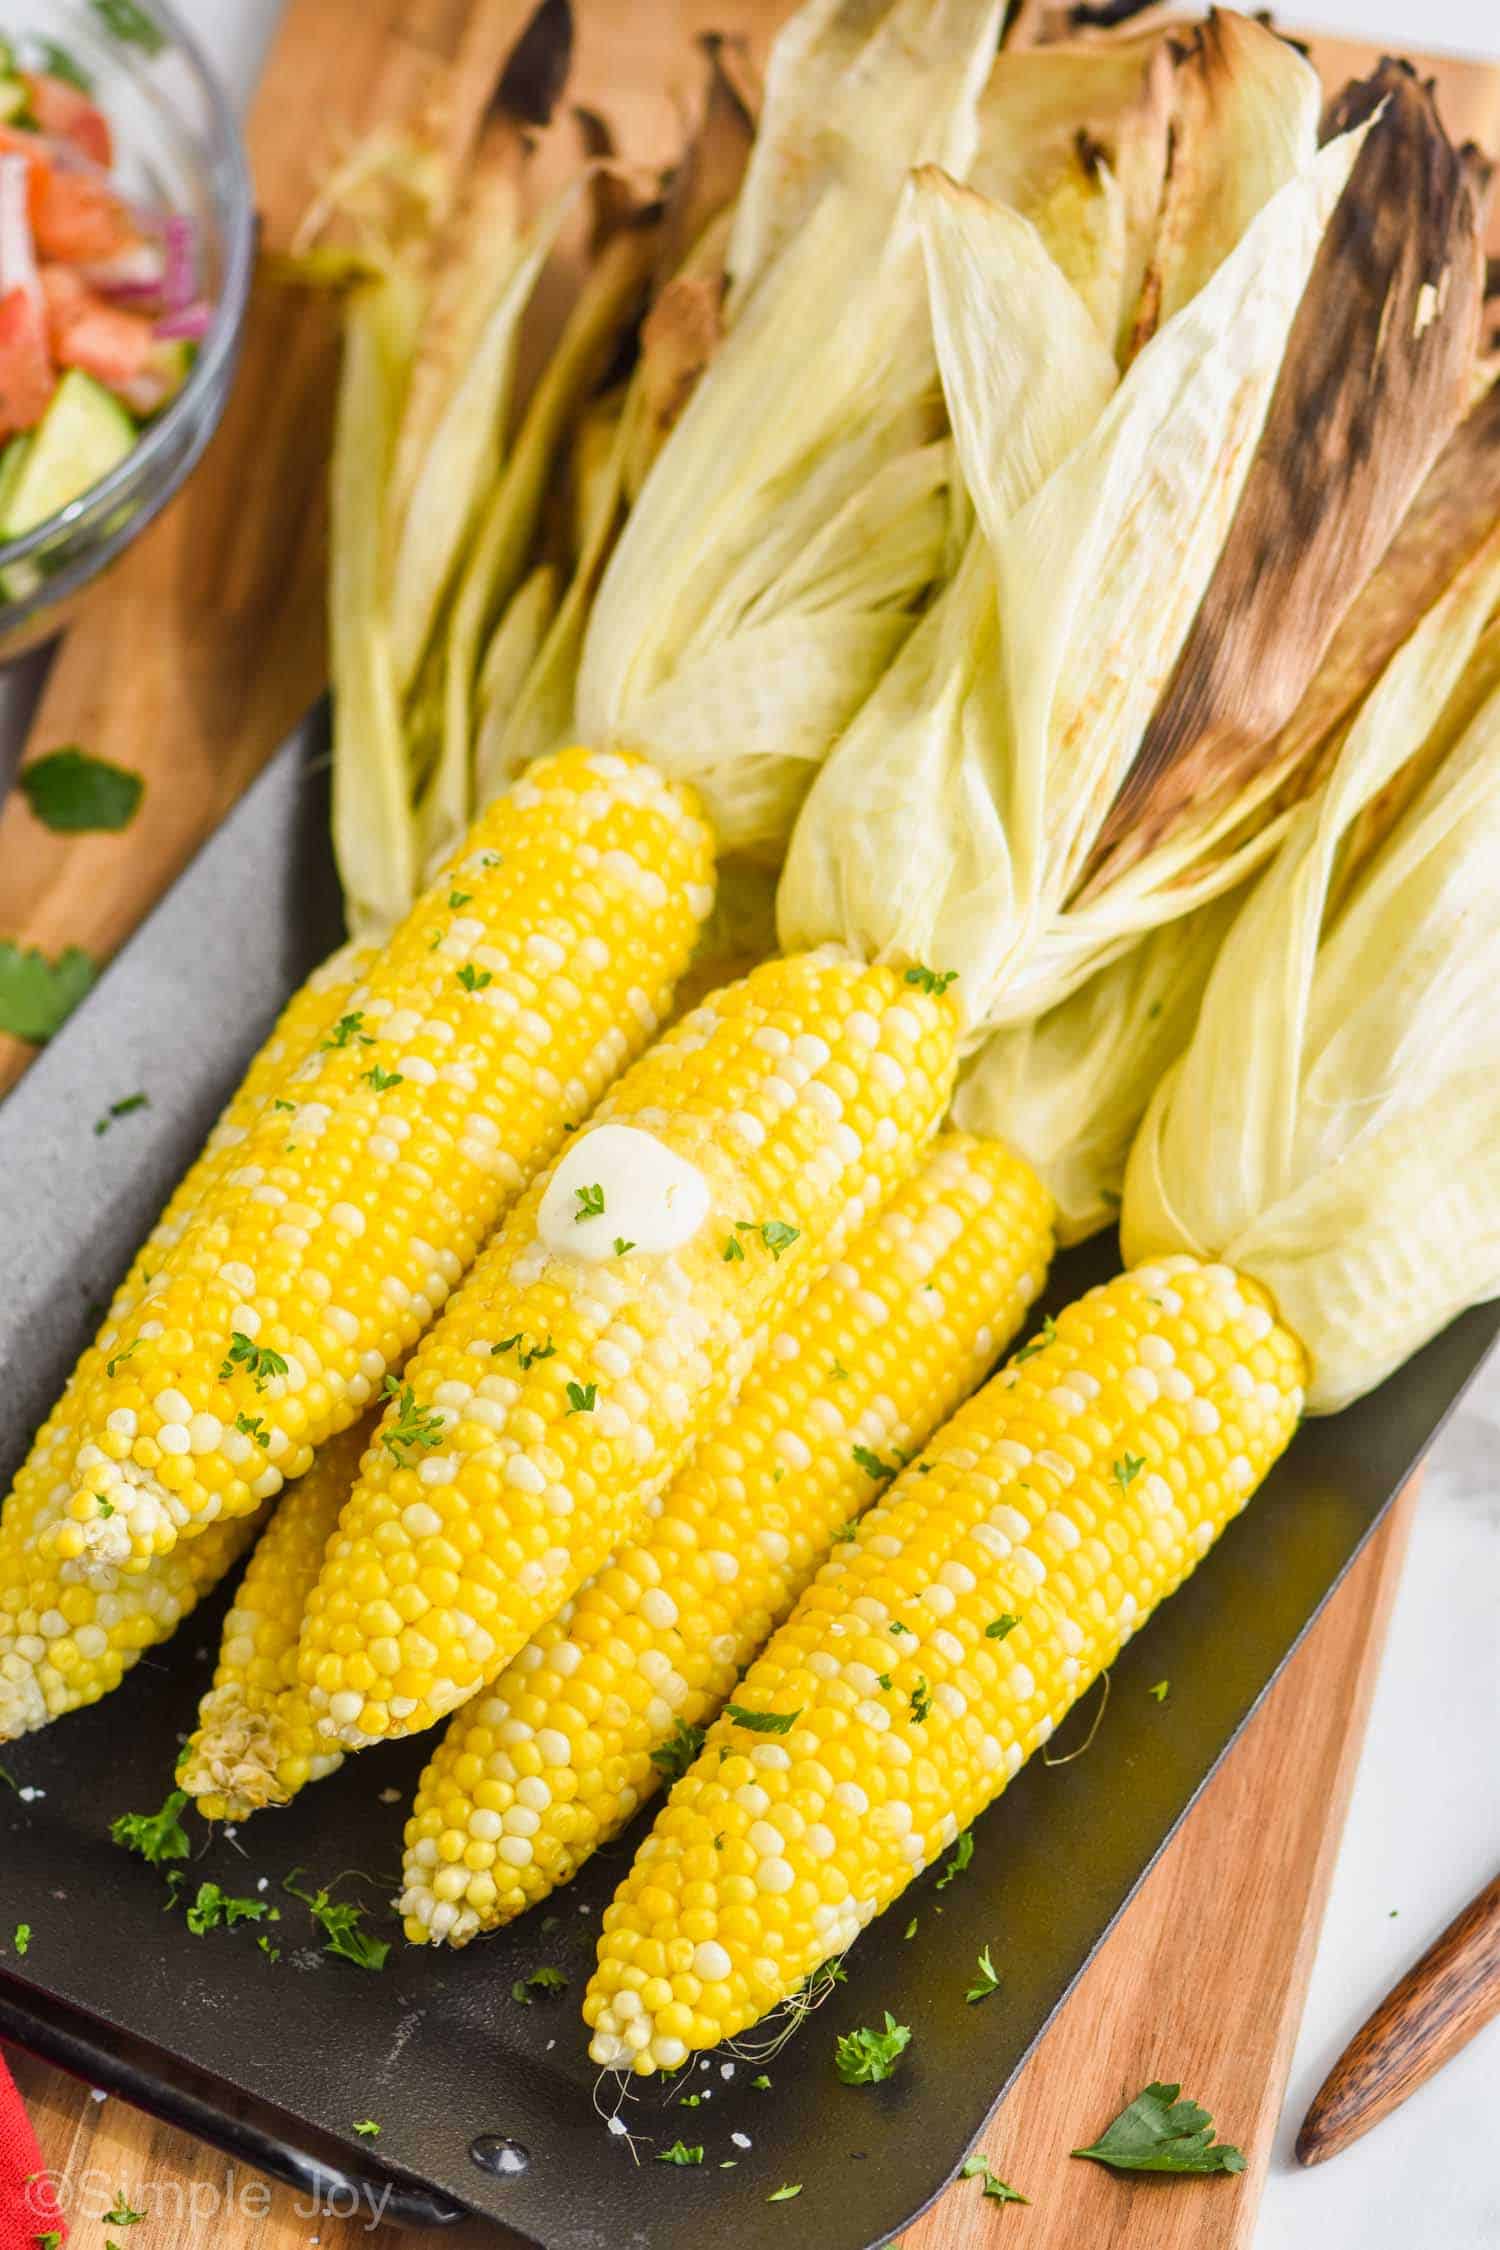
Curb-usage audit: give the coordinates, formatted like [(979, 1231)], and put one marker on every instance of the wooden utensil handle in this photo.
[(1436, 2008)]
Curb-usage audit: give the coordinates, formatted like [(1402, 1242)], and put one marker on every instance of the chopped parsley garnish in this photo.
[(134, 29), (673, 1757), (105, 1507), (898, 1627), (1037, 1343), (540, 1980), (1158, 2133), (122, 2215), (280, 1104), (921, 1702), (382, 1080), (785, 2193), (349, 1032), (37, 996), (75, 794), (258, 1360), (977, 2167), (121, 1357), (839, 1372), (986, 1982), (883, 1679), (590, 1203), (367, 2128), (252, 1426), (762, 1722), (732, 1251), (582, 1397), (271, 1952), (963, 1852), (1161, 1690), (340, 1925), (761, 2083), (680, 2153), (23, 1939), (778, 1236), (120, 1109), (846, 1531), (456, 899), (911, 1928), (156, 1836), (931, 980), (871, 1463), (52, 2240), (622, 1246), (998, 1627), (214, 1909), (472, 979), (525, 1354), (1127, 1469), (420, 1426), (865, 2057)]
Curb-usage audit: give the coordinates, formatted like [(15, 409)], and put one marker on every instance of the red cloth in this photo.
[(28, 2204)]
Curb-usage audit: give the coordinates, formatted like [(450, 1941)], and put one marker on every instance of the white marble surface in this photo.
[(1423, 1833)]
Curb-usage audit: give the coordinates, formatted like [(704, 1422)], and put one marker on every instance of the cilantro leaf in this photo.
[(122, 2215), (963, 1852), (420, 1426), (988, 1980), (865, 2057), (871, 1463), (762, 1722), (680, 2153), (673, 1757), (977, 2167), (75, 794), (215, 1909), (921, 1701), (37, 996), (156, 1836), (340, 1925), (1158, 2133)]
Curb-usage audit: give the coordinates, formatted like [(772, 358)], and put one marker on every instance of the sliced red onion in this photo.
[(189, 326), (132, 277), (180, 244), (17, 250)]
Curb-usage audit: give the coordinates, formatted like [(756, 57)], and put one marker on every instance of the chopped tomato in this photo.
[(79, 219), (69, 115), (28, 145), (112, 346), (27, 379), (63, 291)]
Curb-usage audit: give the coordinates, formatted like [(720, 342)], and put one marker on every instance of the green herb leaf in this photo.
[(911, 1928), (340, 1925), (135, 29), (761, 2083), (732, 1251), (419, 1426), (37, 996), (1037, 1343), (383, 1080), (367, 2129), (456, 899), (347, 1032), (271, 1952), (590, 1204), (120, 1109), (156, 1836), (524, 1354), (921, 1702), (778, 1236), (258, 1361), (871, 1463), (474, 980), (998, 1627), (986, 1982), (120, 1358), (673, 1757), (839, 1372), (846, 1531), (977, 2167), (582, 1397), (762, 1722), (540, 1980), (680, 2153), (1158, 2133), (58, 63), (898, 1627), (865, 2057), (883, 1679), (963, 1852), (71, 792), (1161, 1690), (622, 1246), (23, 1939), (785, 2193), (214, 1909), (122, 2215), (1127, 1469), (931, 980)]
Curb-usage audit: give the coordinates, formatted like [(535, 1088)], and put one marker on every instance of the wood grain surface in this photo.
[(189, 662), (1437, 2007)]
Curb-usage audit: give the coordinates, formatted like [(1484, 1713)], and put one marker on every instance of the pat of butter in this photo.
[(618, 1184)]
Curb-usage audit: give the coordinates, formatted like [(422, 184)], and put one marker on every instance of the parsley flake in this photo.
[(865, 2057), (921, 1702), (22, 1939), (420, 1426), (680, 2153), (214, 1909), (340, 1924), (120, 1357), (1127, 1469), (37, 996), (846, 1531), (349, 1032), (75, 794), (590, 1204), (472, 979), (871, 1463), (382, 1080), (762, 1722), (252, 1426), (456, 899), (156, 1836), (785, 2193), (839, 1373), (998, 1627), (524, 1355), (963, 1852), (732, 1251), (367, 2128), (122, 2215), (622, 1246), (134, 29), (582, 1397), (986, 1982), (911, 1928), (977, 2167), (931, 980), (123, 1108), (540, 1980), (1161, 1690), (260, 1363), (673, 1757), (761, 2084), (1037, 1343), (1158, 2133), (883, 1679)]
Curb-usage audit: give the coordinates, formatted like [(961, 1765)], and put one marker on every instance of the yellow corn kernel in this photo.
[(255, 1743), (522, 981), (990, 1585), (881, 1350), (560, 1392)]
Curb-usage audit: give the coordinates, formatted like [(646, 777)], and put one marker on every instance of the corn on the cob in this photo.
[(571, 1376), (46, 1672), (992, 1583), (494, 1016), (881, 1350), (255, 1744)]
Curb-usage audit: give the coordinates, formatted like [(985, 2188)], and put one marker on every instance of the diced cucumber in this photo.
[(13, 100), (12, 461), (84, 433)]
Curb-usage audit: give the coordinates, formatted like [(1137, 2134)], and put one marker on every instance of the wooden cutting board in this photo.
[(190, 662)]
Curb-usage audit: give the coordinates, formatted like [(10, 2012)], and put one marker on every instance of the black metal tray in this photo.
[(276, 2061)]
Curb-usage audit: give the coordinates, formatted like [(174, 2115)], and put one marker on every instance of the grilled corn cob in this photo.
[(882, 1348), (52, 1656), (991, 1584), (496, 1013), (255, 1744), (611, 1321)]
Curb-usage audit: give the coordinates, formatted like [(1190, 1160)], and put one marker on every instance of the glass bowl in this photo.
[(176, 144)]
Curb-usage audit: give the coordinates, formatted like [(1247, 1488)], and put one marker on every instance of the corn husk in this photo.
[(513, 649), (952, 834), (786, 535), (1068, 1090), (1334, 1127)]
